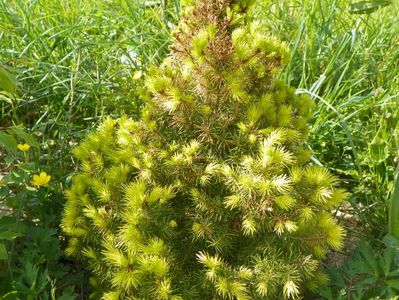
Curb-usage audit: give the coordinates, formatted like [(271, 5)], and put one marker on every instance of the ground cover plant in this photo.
[(63, 68)]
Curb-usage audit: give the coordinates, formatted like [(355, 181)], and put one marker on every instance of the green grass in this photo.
[(72, 58), (75, 62)]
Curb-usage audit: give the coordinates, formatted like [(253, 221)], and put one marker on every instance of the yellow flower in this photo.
[(23, 147), (42, 179)]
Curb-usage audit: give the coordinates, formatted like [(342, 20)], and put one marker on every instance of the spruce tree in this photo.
[(212, 194)]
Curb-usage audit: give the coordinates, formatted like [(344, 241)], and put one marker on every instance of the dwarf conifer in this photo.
[(211, 195)]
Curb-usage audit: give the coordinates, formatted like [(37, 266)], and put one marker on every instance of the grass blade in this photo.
[(394, 208)]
